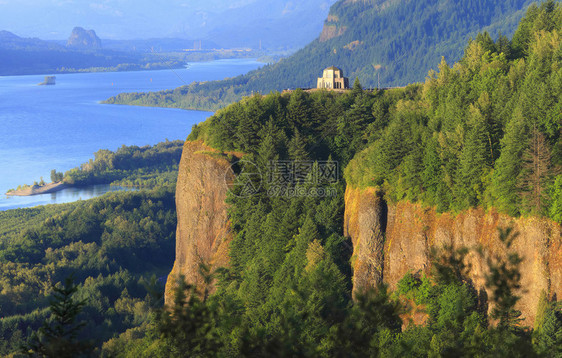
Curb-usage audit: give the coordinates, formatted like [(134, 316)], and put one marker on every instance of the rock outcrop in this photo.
[(49, 81), (203, 231), (331, 29), (83, 39), (391, 241), (388, 240)]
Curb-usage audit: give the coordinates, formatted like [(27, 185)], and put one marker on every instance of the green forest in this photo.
[(483, 132), (447, 144), (130, 166), (384, 43), (112, 247)]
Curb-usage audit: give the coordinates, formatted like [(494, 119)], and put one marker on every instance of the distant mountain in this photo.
[(83, 39)]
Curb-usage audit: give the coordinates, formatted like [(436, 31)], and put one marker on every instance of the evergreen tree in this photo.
[(297, 147), (548, 335), (189, 325), (373, 319), (357, 89), (505, 181), (474, 162), (536, 173), (503, 45), (431, 174), (299, 110), (485, 40), (58, 338)]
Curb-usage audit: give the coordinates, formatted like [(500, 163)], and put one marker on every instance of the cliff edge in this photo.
[(391, 241), (203, 231)]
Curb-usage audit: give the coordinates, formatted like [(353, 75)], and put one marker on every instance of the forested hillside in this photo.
[(384, 43), (111, 246), (454, 142)]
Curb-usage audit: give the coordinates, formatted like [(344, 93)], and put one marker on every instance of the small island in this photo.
[(49, 81), (36, 189)]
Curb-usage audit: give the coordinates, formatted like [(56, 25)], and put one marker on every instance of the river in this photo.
[(60, 127)]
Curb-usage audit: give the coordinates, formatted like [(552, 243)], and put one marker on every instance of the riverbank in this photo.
[(39, 189)]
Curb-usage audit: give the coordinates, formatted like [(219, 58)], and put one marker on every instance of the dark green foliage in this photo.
[(456, 325), (56, 176), (147, 166), (485, 131), (189, 327), (369, 327), (128, 166), (302, 125), (111, 244), (548, 335), (59, 336), (455, 143)]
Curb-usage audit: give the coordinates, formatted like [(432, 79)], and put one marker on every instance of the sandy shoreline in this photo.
[(36, 189)]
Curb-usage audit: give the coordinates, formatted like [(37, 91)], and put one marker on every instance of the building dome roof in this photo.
[(333, 68)]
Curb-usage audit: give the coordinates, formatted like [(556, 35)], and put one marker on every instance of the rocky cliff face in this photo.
[(331, 29), (390, 241), (203, 231)]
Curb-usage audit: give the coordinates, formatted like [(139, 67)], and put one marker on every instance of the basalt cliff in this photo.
[(392, 240), (389, 240), (203, 231)]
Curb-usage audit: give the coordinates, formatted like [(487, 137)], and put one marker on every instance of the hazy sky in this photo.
[(127, 19)]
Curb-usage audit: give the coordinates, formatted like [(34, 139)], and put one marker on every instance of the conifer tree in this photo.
[(548, 335), (357, 88), (474, 161), (298, 110), (536, 173), (505, 181), (485, 40), (297, 147), (58, 338), (266, 156), (189, 325), (431, 174), (503, 45)]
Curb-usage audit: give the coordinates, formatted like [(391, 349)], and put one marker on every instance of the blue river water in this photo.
[(60, 127)]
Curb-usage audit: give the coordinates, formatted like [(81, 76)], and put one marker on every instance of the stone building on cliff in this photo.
[(332, 78)]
